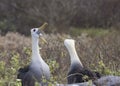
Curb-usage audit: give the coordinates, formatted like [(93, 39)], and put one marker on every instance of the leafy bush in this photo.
[(99, 53), (60, 14), (92, 32), (6, 26)]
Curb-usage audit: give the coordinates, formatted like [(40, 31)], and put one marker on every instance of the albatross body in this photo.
[(38, 69), (76, 71)]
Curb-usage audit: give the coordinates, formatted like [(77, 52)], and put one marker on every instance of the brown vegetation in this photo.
[(90, 50)]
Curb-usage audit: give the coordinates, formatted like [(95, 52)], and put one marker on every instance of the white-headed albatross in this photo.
[(37, 69), (77, 71)]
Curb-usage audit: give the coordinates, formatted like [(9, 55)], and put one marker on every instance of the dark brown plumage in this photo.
[(26, 78), (77, 74)]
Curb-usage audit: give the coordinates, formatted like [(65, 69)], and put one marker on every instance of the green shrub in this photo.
[(92, 32), (100, 53)]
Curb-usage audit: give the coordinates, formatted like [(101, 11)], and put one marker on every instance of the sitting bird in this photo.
[(37, 69), (77, 73)]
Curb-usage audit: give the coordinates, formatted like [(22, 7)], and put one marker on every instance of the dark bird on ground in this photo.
[(77, 72)]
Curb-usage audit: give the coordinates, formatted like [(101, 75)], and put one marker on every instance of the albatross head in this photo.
[(36, 33), (69, 43)]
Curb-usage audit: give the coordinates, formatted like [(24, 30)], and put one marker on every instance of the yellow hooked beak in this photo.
[(43, 39), (41, 28)]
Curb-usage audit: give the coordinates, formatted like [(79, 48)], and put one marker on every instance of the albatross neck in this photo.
[(73, 56), (35, 49)]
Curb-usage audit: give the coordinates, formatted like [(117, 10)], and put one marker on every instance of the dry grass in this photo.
[(90, 50)]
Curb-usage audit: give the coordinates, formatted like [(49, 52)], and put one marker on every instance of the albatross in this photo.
[(37, 69), (77, 71)]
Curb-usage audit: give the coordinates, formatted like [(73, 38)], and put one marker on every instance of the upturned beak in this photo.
[(43, 26), (43, 39), (39, 32)]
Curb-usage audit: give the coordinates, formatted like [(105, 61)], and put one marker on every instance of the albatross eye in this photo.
[(34, 30)]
